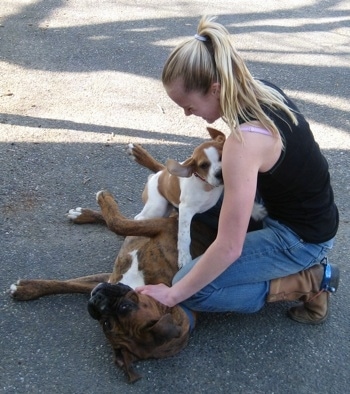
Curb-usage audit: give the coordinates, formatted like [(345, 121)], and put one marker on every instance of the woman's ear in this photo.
[(215, 89)]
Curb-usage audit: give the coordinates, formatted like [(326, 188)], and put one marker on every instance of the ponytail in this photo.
[(210, 57)]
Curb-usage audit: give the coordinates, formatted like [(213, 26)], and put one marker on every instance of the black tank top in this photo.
[(297, 190)]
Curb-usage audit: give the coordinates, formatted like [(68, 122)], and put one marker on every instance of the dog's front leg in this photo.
[(31, 289), (186, 214)]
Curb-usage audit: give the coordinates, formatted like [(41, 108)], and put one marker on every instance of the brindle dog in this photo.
[(137, 326)]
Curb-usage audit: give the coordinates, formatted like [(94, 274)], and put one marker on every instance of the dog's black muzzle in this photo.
[(104, 299)]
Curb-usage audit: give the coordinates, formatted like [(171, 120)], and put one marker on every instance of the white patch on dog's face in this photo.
[(215, 166)]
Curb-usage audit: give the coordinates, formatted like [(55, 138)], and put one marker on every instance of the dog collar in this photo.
[(208, 186), (200, 177), (190, 316)]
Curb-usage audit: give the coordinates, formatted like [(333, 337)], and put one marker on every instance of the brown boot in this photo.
[(312, 287)]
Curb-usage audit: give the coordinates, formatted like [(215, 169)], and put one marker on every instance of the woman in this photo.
[(270, 150)]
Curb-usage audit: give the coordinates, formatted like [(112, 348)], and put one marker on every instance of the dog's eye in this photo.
[(204, 166), (126, 307)]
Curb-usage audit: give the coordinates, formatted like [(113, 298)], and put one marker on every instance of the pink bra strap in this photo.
[(254, 129)]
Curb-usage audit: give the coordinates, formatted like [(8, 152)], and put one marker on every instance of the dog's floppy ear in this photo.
[(216, 135), (124, 359), (183, 170), (165, 329)]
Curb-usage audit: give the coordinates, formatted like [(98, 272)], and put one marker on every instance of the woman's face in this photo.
[(195, 103)]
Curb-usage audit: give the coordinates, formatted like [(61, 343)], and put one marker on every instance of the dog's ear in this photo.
[(124, 359), (216, 135), (165, 329), (183, 170)]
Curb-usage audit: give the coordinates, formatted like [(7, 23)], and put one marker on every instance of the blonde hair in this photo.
[(210, 57)]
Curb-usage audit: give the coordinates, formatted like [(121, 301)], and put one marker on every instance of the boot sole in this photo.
[(306, 321)]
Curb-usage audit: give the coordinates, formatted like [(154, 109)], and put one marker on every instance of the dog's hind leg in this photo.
[(120, 225), (156, 205), (31, 289), (145, 159)]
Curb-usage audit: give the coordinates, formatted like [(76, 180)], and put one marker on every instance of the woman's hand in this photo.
[(161, 293)]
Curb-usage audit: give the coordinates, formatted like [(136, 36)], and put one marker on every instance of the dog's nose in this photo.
[(218, 175), (97, 305)]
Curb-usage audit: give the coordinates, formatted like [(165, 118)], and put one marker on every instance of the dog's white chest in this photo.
[(133, 277)]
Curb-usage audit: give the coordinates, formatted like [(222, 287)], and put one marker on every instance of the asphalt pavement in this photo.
[(80, 79)]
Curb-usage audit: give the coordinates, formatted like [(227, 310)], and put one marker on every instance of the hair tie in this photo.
[(200, 38)]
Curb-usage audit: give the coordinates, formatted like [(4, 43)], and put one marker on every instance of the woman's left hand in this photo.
[(159, 292)]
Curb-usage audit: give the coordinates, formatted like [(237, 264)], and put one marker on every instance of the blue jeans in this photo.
[(272, 252)]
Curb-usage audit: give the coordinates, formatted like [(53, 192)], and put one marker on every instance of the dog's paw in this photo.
[(98, 194), (130, 151), (24, 290), (103, 195), (259, 212), (13, 289), (140, 155), (74, 214)]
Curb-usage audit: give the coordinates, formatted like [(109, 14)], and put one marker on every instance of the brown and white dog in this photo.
[(137, 326), (193, 186)]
